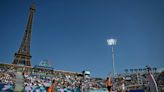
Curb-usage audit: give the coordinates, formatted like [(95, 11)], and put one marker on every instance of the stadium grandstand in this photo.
[(38, 79)]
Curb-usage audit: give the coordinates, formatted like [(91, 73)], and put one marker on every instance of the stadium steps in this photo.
[(19, 85)]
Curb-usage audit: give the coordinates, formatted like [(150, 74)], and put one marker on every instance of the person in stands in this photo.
[(108, 84), (52, 88)]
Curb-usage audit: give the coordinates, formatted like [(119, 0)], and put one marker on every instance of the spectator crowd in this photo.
[(39, 80)]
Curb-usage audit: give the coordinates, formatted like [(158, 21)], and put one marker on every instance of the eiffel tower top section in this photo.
[(25, 45), (22, 57)]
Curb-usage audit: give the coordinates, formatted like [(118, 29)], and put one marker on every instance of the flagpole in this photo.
[(156, 87), (152, 77)]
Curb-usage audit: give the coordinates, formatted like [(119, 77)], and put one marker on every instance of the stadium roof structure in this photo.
[(44, 64)]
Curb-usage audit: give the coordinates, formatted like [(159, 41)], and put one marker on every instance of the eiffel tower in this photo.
[(22, 57)]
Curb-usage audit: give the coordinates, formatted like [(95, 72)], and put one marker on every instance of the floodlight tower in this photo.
[(112, 42)]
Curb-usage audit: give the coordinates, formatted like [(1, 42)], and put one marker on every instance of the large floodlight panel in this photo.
[(111, 41)]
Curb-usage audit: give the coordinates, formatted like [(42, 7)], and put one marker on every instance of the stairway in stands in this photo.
[(19, 85)]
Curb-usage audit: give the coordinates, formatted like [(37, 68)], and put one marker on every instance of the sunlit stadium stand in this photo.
[(39, 78)]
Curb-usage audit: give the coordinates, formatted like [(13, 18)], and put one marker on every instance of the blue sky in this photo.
[(72, 34)]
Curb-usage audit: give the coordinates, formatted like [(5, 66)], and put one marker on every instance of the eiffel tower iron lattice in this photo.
[(23, 57)]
